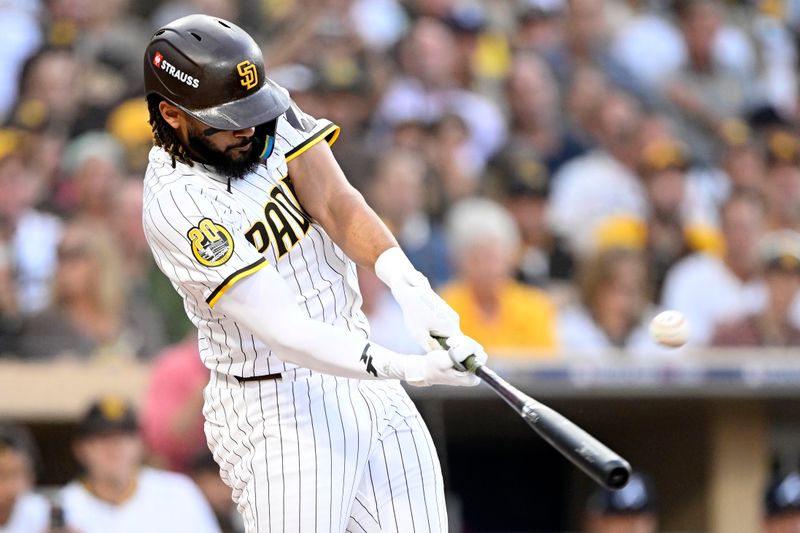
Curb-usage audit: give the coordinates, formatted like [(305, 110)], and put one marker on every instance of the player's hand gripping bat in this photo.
[(587, 453)]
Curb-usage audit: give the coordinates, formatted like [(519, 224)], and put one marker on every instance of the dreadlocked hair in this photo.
[(164, 135)]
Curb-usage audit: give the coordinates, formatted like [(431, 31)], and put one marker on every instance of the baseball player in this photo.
[(249, 215)]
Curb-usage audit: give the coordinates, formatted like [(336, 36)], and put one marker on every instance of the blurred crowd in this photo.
[(559, 169)]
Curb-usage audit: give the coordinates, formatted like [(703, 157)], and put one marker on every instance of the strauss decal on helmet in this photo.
[(163, 64)]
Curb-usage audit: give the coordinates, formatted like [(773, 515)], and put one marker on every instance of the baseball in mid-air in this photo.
[(670, 328)]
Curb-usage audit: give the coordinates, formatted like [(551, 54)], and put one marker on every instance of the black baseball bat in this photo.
[(587, 453)]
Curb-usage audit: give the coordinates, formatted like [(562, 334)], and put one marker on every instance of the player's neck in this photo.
[(112, 491)]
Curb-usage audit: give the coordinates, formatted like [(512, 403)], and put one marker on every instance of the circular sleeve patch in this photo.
[(212, 244)]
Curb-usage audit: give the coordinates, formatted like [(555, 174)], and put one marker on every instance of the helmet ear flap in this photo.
[(265, 137)]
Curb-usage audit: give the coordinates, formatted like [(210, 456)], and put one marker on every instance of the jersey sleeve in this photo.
[(296, 132), (198, 241)]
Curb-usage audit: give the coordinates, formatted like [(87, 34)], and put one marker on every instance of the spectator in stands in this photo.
[(674, 226), (129, 125), (397, 193), (204, 471), (28, 235), (427, 89), (107, 37), (93, 163), (535, 116), (50, 90), (502, 314), (21, 510), (9, 313), (446, 149), (705, 92), (172, 417), (613, 308), (772, 325), (628, 510), (587, 44), (742, 158), (149, 306), (539, 26), (585, 96), (20, 36), (709, 289), (663, 170), (117, 493), (602, 182), (519, 181), (468, 22), (647, 28), (87, 317), (782, 504), (782, 182)]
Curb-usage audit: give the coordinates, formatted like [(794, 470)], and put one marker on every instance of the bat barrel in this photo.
[(587, 453)]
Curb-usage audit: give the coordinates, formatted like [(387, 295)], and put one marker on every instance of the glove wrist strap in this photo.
[(393, 265)]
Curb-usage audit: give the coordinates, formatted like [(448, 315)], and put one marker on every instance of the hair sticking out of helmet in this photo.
[(164, 135)]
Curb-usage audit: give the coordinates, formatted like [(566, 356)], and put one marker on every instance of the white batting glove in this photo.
[(424, 311), (462, 347), (443, 367)]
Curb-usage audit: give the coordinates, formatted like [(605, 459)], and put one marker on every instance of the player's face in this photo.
[(112, 458), (232, 153), (15, 477)]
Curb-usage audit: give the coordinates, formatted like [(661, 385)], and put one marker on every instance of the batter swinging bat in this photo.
[(587, 453)]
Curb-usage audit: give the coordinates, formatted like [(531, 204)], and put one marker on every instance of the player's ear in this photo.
[(170, 113)]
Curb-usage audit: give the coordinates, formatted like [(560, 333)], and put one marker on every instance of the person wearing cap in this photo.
[(782, 504), (779, 255), (116, 493), (782, 180), (675, 226), (520, 182), (247, 212), (539, 26), (631, 509), (21, 510), (28, 236)]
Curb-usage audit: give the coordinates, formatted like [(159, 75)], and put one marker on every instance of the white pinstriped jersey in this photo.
[(205, 236)]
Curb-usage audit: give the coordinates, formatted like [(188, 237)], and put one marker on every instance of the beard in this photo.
[(224, 161)]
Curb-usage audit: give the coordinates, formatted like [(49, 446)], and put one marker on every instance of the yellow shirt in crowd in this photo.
[(524, 325)]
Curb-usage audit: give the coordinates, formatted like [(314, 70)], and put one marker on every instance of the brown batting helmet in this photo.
[(213, 70)]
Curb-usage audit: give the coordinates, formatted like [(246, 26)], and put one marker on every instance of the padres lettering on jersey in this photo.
[(205, 239)]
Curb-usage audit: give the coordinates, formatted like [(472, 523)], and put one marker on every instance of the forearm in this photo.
[(358, 230), (264, 305), (325, 193)]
